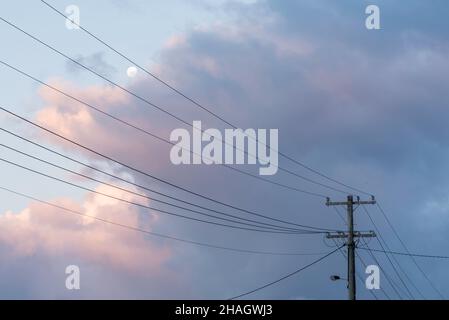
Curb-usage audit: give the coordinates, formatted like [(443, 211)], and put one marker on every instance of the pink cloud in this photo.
[(175, 41), (78, 122), (44, 229)]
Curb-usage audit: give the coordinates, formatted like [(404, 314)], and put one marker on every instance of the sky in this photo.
[(366, 107)]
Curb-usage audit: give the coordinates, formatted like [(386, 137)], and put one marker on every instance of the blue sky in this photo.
[(367, 107)]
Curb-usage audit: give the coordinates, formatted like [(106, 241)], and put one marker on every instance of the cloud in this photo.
[(76, 121), (47, 230), (366, 107), (94, 61)]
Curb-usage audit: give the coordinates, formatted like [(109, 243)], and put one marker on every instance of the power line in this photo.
[(357, 272), (389, 259), (361, 280), (154, 177), (152, 208), (390, 281), (140, 67), (381, 239), (406, 254), (158, 137), (179, 92), (160, 235), (351, 237), (288, 275), (269, 226), (135, 184), (411, 256), (146, 101)]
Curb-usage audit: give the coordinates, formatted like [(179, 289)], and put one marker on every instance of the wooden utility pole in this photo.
[(350, 236)]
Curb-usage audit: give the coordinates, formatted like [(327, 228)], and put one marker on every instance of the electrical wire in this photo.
[(310, 193), (146, 101), (406, 254), (392, 283), (152, 208), (133, 183), (154, 177), (269, 226), (357, 272), (160, 235), (179, 92), (286, 276), (362, 282), (406, 249), (381, 239)]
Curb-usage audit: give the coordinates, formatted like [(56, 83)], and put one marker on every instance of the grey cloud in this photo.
[(364, 107), (95, 61)]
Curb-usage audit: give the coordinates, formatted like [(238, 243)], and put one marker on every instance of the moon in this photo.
[(131, 72)]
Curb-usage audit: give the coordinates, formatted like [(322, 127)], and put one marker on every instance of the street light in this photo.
[(336, 278)]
